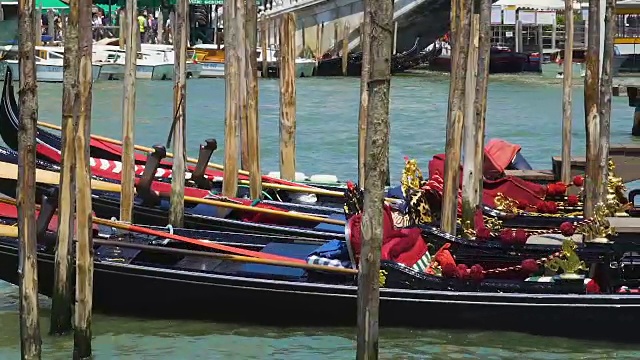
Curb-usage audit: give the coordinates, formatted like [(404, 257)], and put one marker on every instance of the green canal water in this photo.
[(524, 110)]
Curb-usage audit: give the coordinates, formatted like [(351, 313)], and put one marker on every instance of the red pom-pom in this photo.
[(520, 236), (476, 273), (529, 266), (578, 181), (507, 236), (541, 207), (552, 190), (406, 158), (483, 233), (573, 200), (551, 207), (463, 271), (561, 188), (592, 287), (449, 271), (350, 185), (567, 228)]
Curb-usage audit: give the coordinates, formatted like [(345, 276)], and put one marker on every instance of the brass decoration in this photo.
[(468, 231), (383, 278), (411, 175), (571, 262), (616, 203), (506, 204), (492, 223), (599, 227)]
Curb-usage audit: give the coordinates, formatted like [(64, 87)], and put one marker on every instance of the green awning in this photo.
[(51, 4)]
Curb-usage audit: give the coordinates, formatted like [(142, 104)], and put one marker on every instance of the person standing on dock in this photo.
[(142, 22)]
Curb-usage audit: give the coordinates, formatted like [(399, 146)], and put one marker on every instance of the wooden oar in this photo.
[(253, 258), (10, 171), (304, 189)]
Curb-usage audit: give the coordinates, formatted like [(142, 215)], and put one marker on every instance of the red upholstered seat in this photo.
[(502, 152)]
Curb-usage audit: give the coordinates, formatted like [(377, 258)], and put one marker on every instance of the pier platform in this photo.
[(626, 157)]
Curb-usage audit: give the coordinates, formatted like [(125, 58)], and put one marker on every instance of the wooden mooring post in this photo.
[(377, 164), (482, 87), (251, 79), (30, 341), (242, 35), (287, 97), (231, 80), (62, 300), (176, 211), (460, 30), (129, 111), (345, 48), (567, 92), (84, 247), (365, 30), (264, 43), (471, 196), (592, 114), (606, 80)]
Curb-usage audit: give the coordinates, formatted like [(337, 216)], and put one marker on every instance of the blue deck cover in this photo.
[(297, 251), (332, 228)]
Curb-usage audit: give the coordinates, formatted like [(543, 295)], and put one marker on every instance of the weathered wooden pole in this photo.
[(129, 112), (51, 30), (345, 48), (231, 69), (84, 247), (482, 87), (264, 43), (122, 27), (567, 92), (592, 115), (377, 164), (288, 97), (471, 198), (30, 341), (365, 43), (605, 97), (251, 79), (460, 30), (178, 168), (242, 21), (38, 22), (61, 300)]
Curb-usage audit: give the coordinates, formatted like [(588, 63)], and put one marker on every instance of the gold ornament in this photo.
[(571, 262)]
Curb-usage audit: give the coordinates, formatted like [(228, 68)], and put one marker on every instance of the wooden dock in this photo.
[(626, 157)]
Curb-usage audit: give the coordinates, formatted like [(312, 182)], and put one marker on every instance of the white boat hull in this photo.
[(555, 70), (48, 72), (305, 68), (155, 72), (111, 72), (212, 70)]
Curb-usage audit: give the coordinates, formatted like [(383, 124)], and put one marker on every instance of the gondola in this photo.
[(332, 66), (158, 283), (99, 149), (154, 211)]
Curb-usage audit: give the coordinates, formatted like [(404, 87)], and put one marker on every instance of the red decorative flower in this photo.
[(552, 190), (573, 200), (541, 207), (449, 270), (507, 237), (592, 287), (483, 233), (561, 188), (406, 158), (463, 271), (476, 273), (529, 266), (567, 228), (551, 207), (578, 180), (520, 236)]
